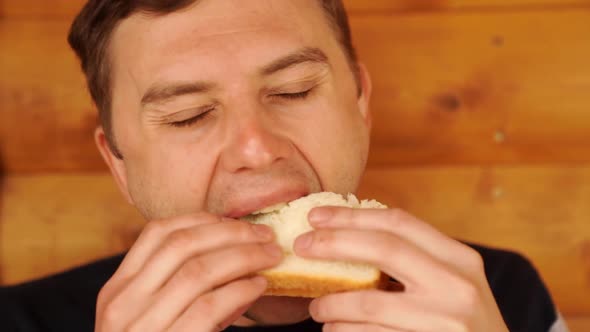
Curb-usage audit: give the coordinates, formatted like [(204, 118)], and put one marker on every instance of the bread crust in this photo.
[(294, 285), (298, 277)]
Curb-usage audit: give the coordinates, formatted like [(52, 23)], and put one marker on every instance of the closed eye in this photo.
[(190, 121), (294, 95)]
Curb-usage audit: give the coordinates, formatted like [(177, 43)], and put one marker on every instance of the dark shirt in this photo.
[(66, 302)]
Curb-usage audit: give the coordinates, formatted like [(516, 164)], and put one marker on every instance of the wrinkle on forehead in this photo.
[(217, 27), (210, 26), (148, 47), (211, 18)]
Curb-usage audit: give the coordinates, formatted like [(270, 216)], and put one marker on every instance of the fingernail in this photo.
[(273, 250), (318, 216), (263, 231), (304, 241)]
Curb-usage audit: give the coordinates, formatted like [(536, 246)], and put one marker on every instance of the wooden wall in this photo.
[(482, 127)]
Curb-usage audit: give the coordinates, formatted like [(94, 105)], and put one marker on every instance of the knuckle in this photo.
[(250, 255), (103, 295), (470, 295), (204, 306), (470, 261), (385, 242), (179, 240), (247, 253), (370, 304), (107, 301), (467, 295), (333, 327), (192, 270), (206, 302), (154, 229), (321, 309), (456, 323), (244, 231), (111, 315), (324, 238), (474, 260)]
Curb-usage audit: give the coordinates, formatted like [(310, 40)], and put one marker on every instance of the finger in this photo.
[(356, 327), (173, 252), (397, 311), (148, 241), (235, 316), (398, 258), (211, 311), (183, 244), (153, 234), (201, 274), (395, 221)]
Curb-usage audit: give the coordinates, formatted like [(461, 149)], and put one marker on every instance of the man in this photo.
[(212, 109)]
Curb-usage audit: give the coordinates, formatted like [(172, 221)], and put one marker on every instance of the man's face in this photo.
[(232, 105)]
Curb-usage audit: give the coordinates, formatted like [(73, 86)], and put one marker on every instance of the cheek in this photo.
[(173, 179), (336, 144)]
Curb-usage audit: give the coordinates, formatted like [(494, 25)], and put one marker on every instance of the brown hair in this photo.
[(91, 31)]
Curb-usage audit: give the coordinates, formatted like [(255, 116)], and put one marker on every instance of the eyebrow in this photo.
[(308, 54), (159, 93)]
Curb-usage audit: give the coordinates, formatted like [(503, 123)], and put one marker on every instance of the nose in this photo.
[(253, 143)]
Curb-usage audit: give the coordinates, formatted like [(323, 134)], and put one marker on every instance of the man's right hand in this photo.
[(191, 273)]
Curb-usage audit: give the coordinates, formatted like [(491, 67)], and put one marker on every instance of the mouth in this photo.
[(262, 202)]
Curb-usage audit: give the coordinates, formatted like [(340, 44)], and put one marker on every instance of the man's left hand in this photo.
[(445, 286)]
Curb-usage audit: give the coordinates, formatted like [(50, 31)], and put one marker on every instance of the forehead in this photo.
[(244, 30)]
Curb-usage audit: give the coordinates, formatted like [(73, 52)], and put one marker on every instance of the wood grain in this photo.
[(47, 119), (389, 6), (478, 88), (453, 88), (51, 222), (40, 9), (578, 323), (457, 84), (69, 8)]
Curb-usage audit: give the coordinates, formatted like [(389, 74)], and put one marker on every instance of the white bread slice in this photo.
[(300, 277)]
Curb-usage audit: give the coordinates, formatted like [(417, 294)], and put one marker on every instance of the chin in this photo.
[(279, 310)]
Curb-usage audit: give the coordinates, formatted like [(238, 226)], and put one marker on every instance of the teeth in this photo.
[(271, 208)]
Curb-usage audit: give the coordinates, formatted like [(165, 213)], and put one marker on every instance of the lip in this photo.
[(252, 204)]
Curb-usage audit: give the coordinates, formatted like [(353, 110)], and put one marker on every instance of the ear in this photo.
[(116, 165), (365, 97)]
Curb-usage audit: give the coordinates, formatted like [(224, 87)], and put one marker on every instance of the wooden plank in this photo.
[(541, 212), (47, 119), (40, 8), (454, 88), (69, 8), (578, 323), (374, 6), (467, 88), (50, 222)]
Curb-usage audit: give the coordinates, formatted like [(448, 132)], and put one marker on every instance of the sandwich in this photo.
[(299, 277)]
